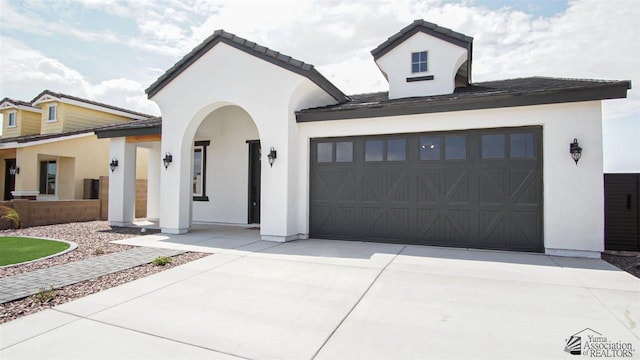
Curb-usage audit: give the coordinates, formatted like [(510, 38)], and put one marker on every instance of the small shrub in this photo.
[(45, 295), (161, 261), (10, 215), (98, 251)]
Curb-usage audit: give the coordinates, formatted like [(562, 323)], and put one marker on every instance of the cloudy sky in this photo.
[(111, 50)]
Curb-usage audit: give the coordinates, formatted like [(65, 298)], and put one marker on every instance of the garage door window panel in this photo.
[(324, 152), (344, 151), (493, 146), (521, 146), (430, 148), (455, 147), (374, 150), (397, 150)]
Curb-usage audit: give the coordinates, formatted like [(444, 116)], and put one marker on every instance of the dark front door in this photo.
[(621, 212), (474, 188), (9, 180), (254, 182)]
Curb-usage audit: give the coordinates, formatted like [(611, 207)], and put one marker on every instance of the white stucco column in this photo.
[(153, 182), (175, 185), (277, 204), (122, 183)]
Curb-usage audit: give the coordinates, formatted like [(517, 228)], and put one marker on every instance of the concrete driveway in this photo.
[(321, 299)]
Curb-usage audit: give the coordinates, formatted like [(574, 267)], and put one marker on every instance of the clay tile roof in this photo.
[(482, 95), (426, 27), (264, 53)]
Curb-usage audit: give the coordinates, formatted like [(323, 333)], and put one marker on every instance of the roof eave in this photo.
[(615, 91), (150, 130), (7, 105), (40, 138)]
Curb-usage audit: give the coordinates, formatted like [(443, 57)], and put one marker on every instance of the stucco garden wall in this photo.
[(38, 213)]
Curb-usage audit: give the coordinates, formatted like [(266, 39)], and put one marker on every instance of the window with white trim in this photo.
[(48, 174), (11, 122), (198, 174), (419, 62), (52, 113), (199, 181)]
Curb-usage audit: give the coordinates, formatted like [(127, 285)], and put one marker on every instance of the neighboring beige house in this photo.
[(48, 146)]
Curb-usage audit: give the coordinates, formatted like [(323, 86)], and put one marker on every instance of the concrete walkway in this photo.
[(321, 299), (19, 286)]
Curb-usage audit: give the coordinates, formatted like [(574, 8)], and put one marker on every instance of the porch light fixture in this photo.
[(13, 170), (272, 156), (113, 164), (168, 159), (575, 150)]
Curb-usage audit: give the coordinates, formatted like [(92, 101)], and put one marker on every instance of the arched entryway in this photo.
[(225, 168)]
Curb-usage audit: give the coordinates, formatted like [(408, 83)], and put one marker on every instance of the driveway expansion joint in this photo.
[(357, 302)]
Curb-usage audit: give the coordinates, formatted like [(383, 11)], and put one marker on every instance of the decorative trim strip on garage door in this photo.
[(473, 188)]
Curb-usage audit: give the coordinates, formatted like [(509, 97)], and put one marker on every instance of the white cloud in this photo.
[(123, 92), (28, 21), (28, 72), (115, 7)]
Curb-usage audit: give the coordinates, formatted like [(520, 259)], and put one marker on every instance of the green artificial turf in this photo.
[(15, 250)]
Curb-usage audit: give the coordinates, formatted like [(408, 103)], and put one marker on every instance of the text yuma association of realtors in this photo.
[(600, 346)]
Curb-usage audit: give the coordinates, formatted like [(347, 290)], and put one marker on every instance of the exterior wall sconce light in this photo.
[(575, 150), (113, 164), (272, 156), (13, 170), (168, 159)]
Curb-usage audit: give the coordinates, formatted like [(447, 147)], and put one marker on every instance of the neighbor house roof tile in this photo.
[(90, 102)]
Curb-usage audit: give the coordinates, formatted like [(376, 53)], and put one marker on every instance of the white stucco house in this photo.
[(249, 135)]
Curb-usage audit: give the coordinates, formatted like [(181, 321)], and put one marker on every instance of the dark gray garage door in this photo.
[(475, 188)]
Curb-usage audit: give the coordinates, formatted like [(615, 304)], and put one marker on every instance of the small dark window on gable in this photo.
[(52, 113), (419, 62), (12, 119)]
